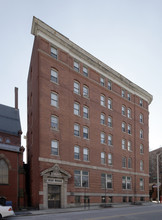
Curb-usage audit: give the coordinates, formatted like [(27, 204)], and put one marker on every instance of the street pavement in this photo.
[(118, 211)]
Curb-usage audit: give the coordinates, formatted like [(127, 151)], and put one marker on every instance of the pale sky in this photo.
[(124, 34)]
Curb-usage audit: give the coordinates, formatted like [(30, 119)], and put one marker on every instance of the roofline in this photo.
[(39, 28)]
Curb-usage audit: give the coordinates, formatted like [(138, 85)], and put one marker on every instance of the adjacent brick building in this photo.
[(87, 127), (153, 173), (12, 178)]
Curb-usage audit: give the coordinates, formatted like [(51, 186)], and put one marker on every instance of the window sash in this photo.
[(54, 122), (76, 66), (54, 52), (54, 99), (76, 152), (85, 133), (76, 130), (85, 91), (85, 71), (54, 76), (54, 147)]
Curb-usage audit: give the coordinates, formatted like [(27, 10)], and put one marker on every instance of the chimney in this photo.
[(16, 98)]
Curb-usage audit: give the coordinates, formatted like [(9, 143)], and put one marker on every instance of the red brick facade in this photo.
[(11, 153), (126, 166)]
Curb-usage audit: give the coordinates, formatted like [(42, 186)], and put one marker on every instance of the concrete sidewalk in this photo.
[(77, 209)]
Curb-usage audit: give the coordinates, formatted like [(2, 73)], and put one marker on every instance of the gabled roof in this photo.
[(9, 120)]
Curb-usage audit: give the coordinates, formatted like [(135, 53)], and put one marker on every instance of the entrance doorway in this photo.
[(54, 196)]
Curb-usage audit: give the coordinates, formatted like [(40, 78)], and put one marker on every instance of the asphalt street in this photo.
[(131, 213)]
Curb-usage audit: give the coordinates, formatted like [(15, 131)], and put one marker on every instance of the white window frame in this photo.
[(76, 152), (55, 147), (54, 76), (102, 118), (102, 138), (85, 71), (85, 112), (76, 87), (76, 66), (76, 108), (85, 132), (85, 91), (54, 52), (109, 103), (110, 159), (85, 154), (102, 100), (54, 122), (103, 159), (76, 130), (54, 99)]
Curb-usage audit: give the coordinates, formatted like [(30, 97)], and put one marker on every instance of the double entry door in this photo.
[(54, 196)]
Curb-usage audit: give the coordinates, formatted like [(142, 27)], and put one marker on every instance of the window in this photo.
[(54, 99), (141, 102), (141, 134), (76, 109), (110, 121), (54, 76), (7, 141), (109, 85), (106, 181), (129, 129), (76, 66), (85, 132), (85, 91), (103, 161), (102, 138), (123, 110), (76, 152), (85, 112), (129, 163), (141, 165), (81, 178), (123, 144), (85, 71), (85, 154), (129, 96), (3, 172), (54, 52), (54, 147), (76, 87), (129, 145), (123, 127), (141, 118), (109, 159), (109, 104), (123, 93), (110, 140), (102, 100), (77, 200), (54, 122), (141, 184), (76, 130), (102, 81), (126, 182), (1, 139), (129, 113), (124, 162), (141, 149), (102, 119)]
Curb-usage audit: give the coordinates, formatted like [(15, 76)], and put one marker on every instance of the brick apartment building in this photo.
[(12, 178), (87, 127)]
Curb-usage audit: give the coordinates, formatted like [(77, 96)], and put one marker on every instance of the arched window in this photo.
[(3, 172)]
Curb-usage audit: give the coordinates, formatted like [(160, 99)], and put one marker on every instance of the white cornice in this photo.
[(39, 28)]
